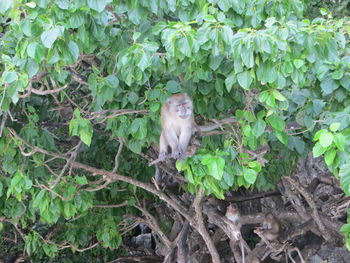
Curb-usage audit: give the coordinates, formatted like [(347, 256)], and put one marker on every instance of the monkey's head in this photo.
[(232, 212), (182, 105)]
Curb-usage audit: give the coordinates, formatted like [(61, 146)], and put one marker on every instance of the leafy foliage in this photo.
[(258, 61)]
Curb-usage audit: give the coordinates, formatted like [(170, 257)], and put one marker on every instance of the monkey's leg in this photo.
[(174, 143), (163, 148), (184, 140)]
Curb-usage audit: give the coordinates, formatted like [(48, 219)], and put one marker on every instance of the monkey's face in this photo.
[(183, 110)]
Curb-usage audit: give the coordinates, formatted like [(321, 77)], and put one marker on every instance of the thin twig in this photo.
[(116, 159)]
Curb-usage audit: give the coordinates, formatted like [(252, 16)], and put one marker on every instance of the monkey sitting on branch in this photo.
[(178, 126)]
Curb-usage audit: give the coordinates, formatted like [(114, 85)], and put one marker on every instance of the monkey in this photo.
[(178, 125), (232, 214), (271, 227), (66, 112)]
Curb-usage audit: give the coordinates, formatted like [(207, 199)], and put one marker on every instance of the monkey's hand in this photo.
[(177, 154)]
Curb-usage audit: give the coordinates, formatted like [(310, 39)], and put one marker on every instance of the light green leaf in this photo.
[(298, 63), (326, 139), (329, 156), (48, 37), (244, 79), (340, 141), (278, 95), (318, 150), (249, 175), (334, 126), (98, 5), (9, 76), (5, 5)]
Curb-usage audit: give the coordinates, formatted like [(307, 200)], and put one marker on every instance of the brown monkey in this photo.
[(177, 126), (271, 227)]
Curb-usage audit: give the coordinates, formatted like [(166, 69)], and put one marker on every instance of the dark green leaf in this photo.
[(173, 87), (259, 128)]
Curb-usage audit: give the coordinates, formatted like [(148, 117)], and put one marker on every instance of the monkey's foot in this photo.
[(162, 157)]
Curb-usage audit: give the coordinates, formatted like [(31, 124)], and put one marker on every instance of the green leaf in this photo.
[(98, 5), (81, 180), (281, 136), (9, 76), (230, 80), (112, 81), (329, 156), (228, 177), (328, 86), (298, 63), (244, 79), (85, 135), (184, 46), (258, 128), (276, 122), (338, 74), (278, 95), (322, 72), (247, 57), (263, 96), (249, 175), (216, 167), (73, 50), (76, 20), (49, 37), (318, 150), (340, 141), (63, 4), (326, 139), (144, 62), (334, 126), (36, 51), (344, 174), (5, 5), (215, 61), (173, 87)]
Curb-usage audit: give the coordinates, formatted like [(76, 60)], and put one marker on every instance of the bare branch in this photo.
[(3, 121), (311, 202), (125, 203), (197, 204), (114, 176)]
